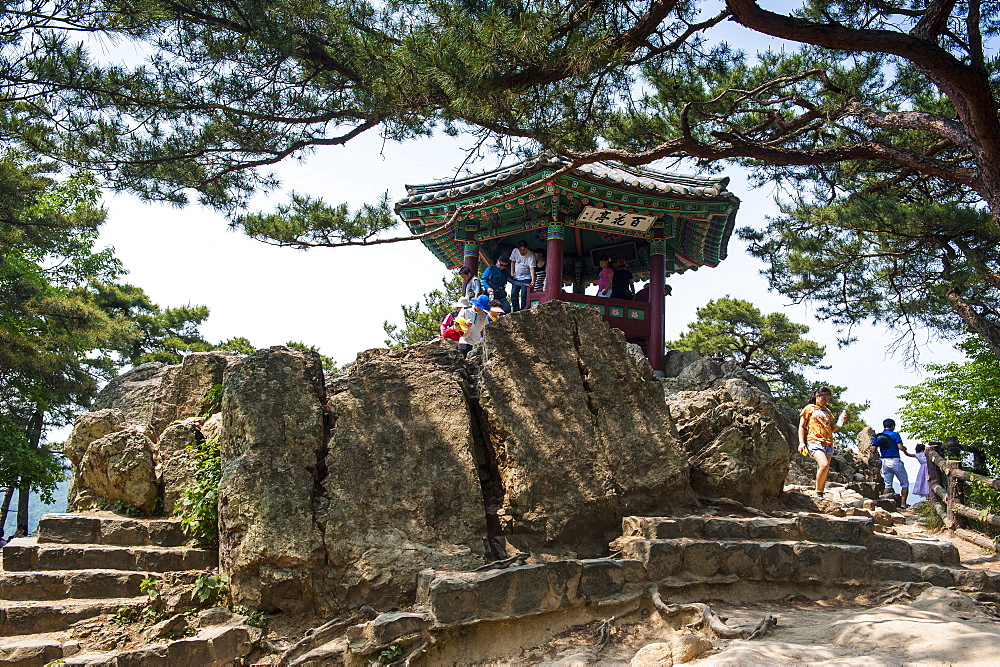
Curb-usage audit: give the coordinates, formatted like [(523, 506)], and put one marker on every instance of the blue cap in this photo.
[(482, 302)]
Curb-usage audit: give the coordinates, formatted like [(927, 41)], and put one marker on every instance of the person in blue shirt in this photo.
[(495, 279), (890, 444)]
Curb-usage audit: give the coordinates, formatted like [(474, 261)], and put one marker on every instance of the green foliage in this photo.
[(982, 497), (391, 654), (212, 401), (208, 590), (329, 365), (929, 518), (39, 468), (901, 266), (150, 587), (145, 615), (255, 619), (308, 222), (423, 322), (66, 323), (244, 346), (198, 508), (770, 346), (958, 399), (238, 344)]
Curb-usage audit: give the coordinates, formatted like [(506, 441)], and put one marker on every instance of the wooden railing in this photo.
[(946, 478)]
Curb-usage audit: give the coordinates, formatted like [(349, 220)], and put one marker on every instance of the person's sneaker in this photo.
[(821, 494)]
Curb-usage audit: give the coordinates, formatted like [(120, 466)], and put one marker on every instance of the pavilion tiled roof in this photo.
[(617, 175)]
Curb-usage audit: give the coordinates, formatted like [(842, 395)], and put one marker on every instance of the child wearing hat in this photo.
[(477, 317)]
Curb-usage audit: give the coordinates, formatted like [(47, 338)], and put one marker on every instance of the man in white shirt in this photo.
[(523, 271)]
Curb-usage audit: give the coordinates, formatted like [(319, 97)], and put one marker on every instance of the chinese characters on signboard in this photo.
[(616, 219)]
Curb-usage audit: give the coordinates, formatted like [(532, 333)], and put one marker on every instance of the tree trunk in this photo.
[(8, 494), (24, 492), (980, 325)]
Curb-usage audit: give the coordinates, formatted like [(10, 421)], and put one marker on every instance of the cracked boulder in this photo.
[(733, 434), (270, 546), (133, 394), (181, 393), (402, 491), (580, 434), (119, 467)]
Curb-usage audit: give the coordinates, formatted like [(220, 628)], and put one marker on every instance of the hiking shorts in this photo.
[(814, 446), (894, 468)]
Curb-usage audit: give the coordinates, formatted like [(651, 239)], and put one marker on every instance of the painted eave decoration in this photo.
[(697, 213)]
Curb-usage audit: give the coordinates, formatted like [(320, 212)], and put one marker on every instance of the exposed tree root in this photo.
[(705, 616), (413, 653), (514, 561), (763, 627), (901, 593), (322, 634), (605, 629)]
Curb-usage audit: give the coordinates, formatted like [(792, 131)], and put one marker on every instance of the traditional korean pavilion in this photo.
[(661, 223)]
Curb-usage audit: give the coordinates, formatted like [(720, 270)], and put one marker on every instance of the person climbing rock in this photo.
[(816, 429), (477, 317)]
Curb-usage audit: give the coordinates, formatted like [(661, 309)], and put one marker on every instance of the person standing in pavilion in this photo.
[(524, 275), (622, 281), (495, 279)]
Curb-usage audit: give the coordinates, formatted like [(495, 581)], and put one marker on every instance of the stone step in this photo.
[(913, 550), (31, 617), (682, 562), (62, 584), (28, 555), (454, 598), (804, 527), (110, 530), (212, 646), (986, 581)]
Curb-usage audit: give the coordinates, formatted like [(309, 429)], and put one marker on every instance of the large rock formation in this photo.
[(337, 491), (730, 426), (544, 441), (130, 449), (182, 392), (133, 393), (272, 448), (402, 490), (579, 435)]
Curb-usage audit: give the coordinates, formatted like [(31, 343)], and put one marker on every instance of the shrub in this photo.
[(198, 508)]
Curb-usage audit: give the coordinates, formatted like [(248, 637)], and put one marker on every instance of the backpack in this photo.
[(883, 442)]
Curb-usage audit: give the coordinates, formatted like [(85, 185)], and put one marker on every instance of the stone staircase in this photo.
[(687, 558), (799, 551), (82, 566)]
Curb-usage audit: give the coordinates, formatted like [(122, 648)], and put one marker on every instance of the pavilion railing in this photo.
[(955, 492)]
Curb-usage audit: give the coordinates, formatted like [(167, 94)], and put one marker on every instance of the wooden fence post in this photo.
[(952, 522)]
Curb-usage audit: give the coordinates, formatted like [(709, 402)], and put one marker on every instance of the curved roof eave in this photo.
[(607, 173)]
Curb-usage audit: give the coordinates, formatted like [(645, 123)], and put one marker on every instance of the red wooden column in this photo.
[(657, 314), (553, 261), (470, 254)]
